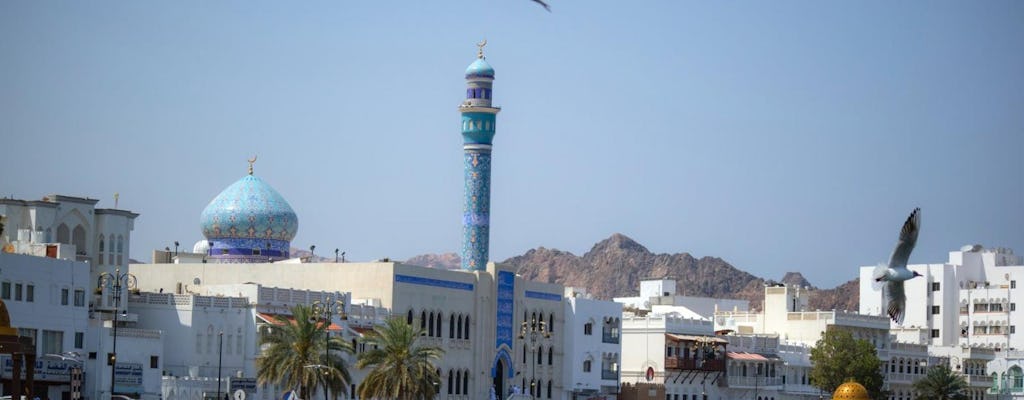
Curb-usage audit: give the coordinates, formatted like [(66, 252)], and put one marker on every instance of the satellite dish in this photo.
[(239, 394), (195, 281)]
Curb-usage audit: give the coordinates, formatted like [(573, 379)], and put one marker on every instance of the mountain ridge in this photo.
[(614, 267)]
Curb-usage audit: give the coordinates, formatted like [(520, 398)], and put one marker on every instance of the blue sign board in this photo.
[(505, 301)]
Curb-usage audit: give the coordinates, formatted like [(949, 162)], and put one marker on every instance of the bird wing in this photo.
[(897, 301), (542, 3), (908, 238)]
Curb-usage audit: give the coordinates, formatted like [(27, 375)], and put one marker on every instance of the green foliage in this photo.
[(294, 356), (838, 357), (941, 383), (400, 369)]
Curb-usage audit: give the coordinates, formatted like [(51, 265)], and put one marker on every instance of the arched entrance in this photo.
[(499, 380)]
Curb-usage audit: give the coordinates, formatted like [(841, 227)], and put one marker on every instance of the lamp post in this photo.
[(534, 330), (336, 255), (325, 310), (116, 281), (220, 360)]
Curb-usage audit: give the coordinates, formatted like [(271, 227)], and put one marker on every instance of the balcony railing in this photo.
[(753, 381), (610, 375), (694, 364)]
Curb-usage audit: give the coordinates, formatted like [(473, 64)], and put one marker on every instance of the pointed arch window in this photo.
[(465, 382), (438, 331), (451, 377), (430, 331), (458, 378), (451, 326), (466, 335), (63, 234)]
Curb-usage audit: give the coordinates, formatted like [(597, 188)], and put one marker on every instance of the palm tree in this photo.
[(401, 369), (294, 357), (941, 384)]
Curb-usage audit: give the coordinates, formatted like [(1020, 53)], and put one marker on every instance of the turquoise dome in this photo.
[(249, 209), (480, 67)]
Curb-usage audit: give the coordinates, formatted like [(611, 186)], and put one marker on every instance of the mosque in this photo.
[(501, 334)]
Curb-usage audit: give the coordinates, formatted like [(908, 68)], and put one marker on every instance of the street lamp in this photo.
[(324, 310), (116, 281), (534, 330)]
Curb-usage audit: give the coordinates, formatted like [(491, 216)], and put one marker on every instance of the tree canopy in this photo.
[(400, 368), (941, 383), (837, 358), (294, 354)]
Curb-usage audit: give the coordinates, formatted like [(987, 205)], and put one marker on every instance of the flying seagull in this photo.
[(896, 272), (542, 3)]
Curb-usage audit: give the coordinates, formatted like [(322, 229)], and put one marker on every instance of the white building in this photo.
[(659, 295), (971, 300), (101, 236), (593, 345), (46, 300)]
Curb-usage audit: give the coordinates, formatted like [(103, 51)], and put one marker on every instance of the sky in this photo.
[(778, 136)]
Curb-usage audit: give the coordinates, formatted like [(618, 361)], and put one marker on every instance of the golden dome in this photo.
[(851, 391)]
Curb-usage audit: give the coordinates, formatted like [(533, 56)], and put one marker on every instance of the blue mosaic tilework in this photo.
[(543, 296), (416, 280), (476, 224)]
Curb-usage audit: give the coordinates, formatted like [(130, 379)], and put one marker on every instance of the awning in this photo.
[(690, 338), (746, 356), (271, 319)]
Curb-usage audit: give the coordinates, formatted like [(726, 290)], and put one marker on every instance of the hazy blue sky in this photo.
[(779, 136)]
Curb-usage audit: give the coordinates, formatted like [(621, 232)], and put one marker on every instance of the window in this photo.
[(588, 328), (30, 293), (154, 361), (1013, 306), (935, 310), (5, 290), (1013, 284), (586, 365), (1013, 329), (29, 333), (17, 292), (256, 251), (451, 378), (935, 333), (551, 354), (79, 298), (936, 286), (466, 334), (79, 340), (451, 326), (53, 342), (65, 296), (551, 324)]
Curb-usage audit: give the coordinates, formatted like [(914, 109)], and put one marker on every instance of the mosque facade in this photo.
[(501, 334)]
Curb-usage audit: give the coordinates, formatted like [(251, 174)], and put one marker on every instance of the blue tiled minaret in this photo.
[(477, 134)]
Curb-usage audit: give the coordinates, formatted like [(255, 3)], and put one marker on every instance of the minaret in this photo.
[(477, 134)]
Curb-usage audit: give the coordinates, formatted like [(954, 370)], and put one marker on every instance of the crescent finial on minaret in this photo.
[(251, 162), (480, 49)]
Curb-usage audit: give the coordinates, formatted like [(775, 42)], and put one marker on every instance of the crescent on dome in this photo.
[(251, 162)]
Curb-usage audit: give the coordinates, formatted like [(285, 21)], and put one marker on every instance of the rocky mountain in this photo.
[(615, 266), (437, 261)]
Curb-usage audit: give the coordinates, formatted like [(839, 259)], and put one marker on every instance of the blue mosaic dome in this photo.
[(249, 209), (480, 67)]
